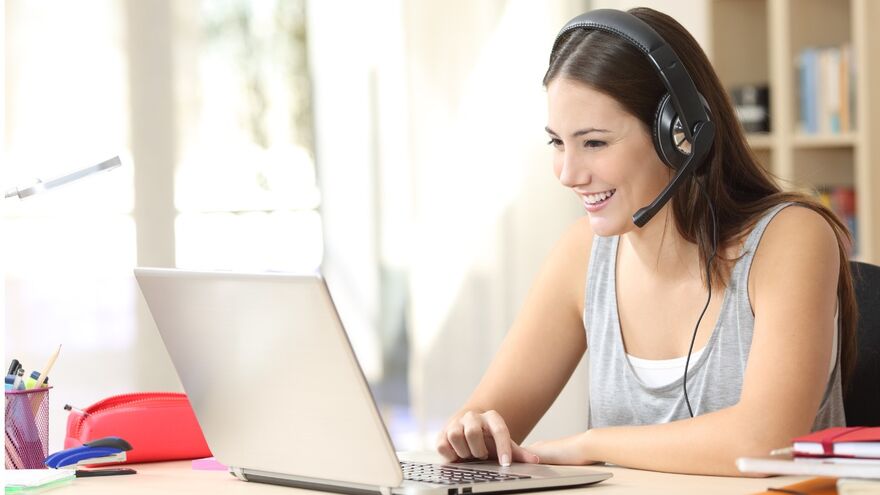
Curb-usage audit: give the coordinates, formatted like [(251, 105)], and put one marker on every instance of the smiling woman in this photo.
[(638, 117)]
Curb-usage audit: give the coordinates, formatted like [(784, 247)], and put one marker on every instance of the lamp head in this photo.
[(41, 186)]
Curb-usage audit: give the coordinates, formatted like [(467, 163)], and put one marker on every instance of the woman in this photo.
[(771, 295)]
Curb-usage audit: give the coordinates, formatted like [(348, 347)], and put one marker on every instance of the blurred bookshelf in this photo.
[(807, 91), (802, 140), (760, 140)]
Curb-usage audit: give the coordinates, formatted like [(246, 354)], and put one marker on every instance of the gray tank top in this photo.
[(618, 397)]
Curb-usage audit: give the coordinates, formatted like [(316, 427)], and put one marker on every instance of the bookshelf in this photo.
[(760, 42)]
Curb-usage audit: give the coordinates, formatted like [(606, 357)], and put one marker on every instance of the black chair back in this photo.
[(861, 399)]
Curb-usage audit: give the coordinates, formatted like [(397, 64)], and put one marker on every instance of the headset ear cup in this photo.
[(664, 119)]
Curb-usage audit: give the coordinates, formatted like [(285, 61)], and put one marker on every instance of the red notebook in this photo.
[(852, 441)]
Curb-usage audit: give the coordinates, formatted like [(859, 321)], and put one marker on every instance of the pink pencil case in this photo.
[(160, 426)]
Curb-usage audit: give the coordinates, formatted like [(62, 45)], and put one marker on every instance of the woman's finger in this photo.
[(473, 433), (501, 436), (456, 439), (445, 449)]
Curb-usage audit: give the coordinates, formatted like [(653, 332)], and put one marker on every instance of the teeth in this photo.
[(602, 196)]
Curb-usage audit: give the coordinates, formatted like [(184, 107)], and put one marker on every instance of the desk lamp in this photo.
[(41, 186)]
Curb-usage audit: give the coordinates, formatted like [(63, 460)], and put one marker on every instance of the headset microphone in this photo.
[(700, 149)]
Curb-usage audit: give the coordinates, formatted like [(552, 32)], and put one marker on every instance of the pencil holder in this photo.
[(27, 428)]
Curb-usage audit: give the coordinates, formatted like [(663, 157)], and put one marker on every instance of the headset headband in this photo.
[(682, 92)]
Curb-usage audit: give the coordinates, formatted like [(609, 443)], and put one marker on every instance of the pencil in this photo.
[(38, 397), (45, 373)]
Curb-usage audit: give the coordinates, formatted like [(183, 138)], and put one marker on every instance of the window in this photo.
[(245, 188), (77, 93)]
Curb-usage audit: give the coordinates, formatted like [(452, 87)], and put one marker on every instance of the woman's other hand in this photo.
[(476, 435), (569, 451)]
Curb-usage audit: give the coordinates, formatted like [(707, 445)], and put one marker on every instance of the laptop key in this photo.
[(446, 474)]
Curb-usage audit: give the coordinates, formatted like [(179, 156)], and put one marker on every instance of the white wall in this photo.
[(432, 162), (487, 208), (692, 14)]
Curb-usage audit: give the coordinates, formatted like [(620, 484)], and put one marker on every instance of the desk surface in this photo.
[(179, 477)]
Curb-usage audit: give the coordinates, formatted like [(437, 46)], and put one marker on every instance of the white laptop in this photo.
[(281, 397)]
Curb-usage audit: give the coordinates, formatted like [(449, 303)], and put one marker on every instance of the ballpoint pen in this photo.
[(18, 383)]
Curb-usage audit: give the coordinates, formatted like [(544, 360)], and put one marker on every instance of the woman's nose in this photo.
[(573, 172)]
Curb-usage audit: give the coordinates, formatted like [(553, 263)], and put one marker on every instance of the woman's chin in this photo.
[(605, 227)]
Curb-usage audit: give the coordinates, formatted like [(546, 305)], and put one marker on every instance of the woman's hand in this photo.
[(476, 435), (568, 451)]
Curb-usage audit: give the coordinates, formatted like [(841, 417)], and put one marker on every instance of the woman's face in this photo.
[(604, 154)]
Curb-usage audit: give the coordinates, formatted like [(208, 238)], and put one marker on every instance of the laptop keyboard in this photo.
[(452, 475)]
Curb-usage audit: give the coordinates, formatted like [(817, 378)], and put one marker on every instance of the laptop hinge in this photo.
[(238, 473)]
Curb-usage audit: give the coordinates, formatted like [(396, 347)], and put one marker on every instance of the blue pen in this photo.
[(18, 384)]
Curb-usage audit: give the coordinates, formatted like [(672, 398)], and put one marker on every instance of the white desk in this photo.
[(177, 477)]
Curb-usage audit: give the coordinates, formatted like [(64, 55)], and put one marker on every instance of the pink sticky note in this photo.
[(208, 464)]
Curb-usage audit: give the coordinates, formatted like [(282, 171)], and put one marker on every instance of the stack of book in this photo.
[(826, 80), (841, 452), (842, 201)]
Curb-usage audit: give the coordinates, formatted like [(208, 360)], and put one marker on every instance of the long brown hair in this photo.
[(740, 188)]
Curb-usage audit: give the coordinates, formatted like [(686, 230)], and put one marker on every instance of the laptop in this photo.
[(281, 398)]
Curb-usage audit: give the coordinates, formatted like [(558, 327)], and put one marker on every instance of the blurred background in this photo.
[(396, 145)]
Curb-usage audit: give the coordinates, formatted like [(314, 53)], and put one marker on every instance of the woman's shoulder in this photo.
[(796, 227), (798, 243)]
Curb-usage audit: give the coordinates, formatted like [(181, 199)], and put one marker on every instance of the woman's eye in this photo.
[(593, 144), (555, 142)]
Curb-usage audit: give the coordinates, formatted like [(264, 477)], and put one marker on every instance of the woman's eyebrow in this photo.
[(577, 133)]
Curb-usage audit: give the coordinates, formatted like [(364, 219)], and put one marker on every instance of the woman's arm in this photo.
[(793, 282), (536, 358)]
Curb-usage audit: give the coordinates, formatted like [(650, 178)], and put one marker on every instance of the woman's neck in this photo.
[(658, 249)]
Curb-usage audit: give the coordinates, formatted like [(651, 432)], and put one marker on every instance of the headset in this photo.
[(683, 131)]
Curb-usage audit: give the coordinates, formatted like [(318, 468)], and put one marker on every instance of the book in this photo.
[(851, 486), (831, 86), (32, 480), (826, 89), (812, 486), (811, 466), (845, 123), (854, 441), (809, 119)]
